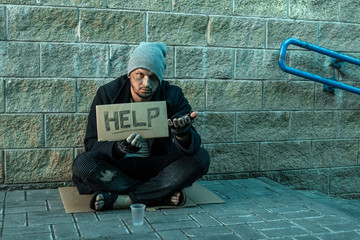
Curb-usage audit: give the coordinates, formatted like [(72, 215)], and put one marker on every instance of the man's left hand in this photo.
[(181, 126)]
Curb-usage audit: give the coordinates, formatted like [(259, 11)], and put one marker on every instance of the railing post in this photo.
[(338, 58)]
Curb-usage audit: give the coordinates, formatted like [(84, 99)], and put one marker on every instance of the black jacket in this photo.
[(118, 91)]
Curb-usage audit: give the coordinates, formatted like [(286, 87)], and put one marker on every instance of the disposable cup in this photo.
[(138, 213)]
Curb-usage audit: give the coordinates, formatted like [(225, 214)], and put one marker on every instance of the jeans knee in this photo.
[(203, 158), (83, 164)]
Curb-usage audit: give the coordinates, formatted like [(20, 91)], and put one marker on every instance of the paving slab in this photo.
[(255, 208)]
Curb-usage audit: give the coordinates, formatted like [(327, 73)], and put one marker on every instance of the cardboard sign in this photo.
[(117, 121)]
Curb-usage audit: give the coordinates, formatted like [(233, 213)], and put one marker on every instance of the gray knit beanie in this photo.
[(151, 56)]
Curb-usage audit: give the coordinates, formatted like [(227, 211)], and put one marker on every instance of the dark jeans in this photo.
[(145, 180)]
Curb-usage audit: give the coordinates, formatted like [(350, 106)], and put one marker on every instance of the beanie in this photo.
[(151, 56)]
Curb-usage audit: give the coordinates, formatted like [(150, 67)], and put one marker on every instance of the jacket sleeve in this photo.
[(194, 145), (91, 143), (180, 108)]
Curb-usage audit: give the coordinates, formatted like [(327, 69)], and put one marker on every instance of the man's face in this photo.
[(143, 84)]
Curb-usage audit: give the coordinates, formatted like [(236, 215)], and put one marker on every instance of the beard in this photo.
[(144, 95)]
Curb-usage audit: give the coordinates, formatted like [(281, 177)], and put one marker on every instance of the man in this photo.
[(137, 170)]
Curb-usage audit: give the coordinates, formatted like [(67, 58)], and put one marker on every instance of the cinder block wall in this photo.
[(255, 119)]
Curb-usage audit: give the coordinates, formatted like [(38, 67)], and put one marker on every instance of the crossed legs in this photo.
[(152, 179)]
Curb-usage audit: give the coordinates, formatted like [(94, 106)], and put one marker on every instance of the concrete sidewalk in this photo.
[(254, 209)]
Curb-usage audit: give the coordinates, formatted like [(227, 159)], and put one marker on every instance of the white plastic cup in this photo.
[(138, 213)]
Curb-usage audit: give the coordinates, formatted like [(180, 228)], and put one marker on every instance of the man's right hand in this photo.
[(132, 144)]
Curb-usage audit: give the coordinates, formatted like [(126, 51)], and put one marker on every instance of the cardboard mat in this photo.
[(195, 195)]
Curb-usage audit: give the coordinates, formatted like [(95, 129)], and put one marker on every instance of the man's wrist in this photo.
[(126, 147), (184, 139)]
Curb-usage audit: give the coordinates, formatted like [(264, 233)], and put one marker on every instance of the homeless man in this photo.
[(137, 170)]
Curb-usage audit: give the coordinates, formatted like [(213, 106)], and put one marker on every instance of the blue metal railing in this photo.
[(338, 57)]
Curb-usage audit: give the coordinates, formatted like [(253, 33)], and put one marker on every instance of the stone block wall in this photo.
[(255, 119)]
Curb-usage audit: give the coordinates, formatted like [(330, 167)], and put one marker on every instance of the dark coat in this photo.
[(118, 91)]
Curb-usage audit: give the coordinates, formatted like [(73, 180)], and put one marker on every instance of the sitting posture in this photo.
[(136, 170)]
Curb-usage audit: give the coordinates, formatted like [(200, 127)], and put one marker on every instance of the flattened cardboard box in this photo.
[(117, 121), (195, 195)]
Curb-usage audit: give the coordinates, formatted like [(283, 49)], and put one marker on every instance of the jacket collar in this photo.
[(123, 93)]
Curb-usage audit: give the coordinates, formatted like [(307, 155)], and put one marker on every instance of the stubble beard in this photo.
[(142, 96)]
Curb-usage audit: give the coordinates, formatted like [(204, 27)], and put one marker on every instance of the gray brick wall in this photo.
[(255, 119)]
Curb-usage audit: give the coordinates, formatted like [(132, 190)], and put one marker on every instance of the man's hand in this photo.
[(181, 126), (132, 144), (135, 140)]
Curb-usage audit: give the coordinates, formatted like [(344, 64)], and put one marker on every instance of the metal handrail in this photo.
[(338, 58)]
